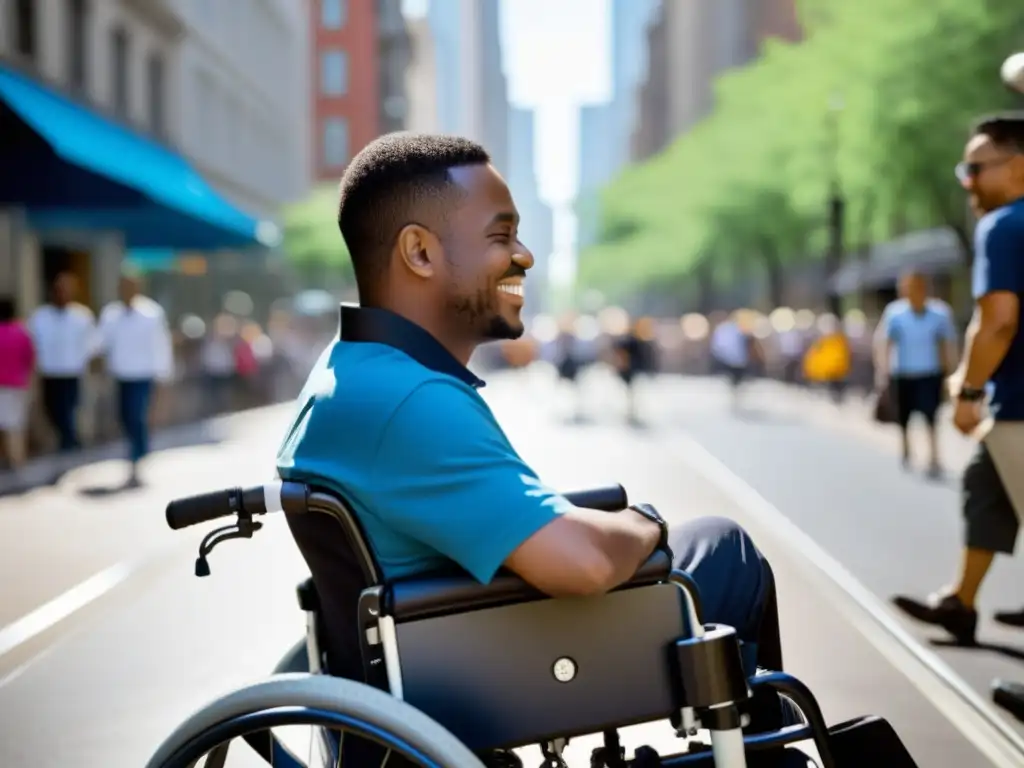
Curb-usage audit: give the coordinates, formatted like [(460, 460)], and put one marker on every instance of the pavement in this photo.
[(104, 629)]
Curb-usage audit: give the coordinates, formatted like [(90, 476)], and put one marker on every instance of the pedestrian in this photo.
[(219, 364), (17, 361), (732, 349), (915, 349), (992, 366), (64, 335), (136, 341)]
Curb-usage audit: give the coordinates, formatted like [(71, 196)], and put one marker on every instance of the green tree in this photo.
[(312, 242), (753, 178)]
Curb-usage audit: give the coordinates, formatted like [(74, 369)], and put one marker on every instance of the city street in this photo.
[(107, 640)]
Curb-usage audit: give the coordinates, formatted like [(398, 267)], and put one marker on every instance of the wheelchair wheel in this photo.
[(323, 702)]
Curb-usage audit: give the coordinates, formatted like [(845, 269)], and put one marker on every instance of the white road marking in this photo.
[(62, 606), (954, 698)]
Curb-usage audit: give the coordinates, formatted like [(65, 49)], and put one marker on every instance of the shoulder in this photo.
[(940, 309), (895, 310), (81, 312), (375, 383), (999, 230)]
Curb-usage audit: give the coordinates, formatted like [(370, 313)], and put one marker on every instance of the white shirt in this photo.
[(218, 356), (64, 338), (136, 341), (729, 345)]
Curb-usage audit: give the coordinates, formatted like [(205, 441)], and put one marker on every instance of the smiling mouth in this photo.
[(515, 289)]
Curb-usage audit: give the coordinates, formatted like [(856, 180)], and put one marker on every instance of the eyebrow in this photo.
[(505, 217)]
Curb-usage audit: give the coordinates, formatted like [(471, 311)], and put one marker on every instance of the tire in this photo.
[(295, 661), (346, 697)]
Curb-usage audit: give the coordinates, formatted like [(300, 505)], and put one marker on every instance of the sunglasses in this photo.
[(967, 171)]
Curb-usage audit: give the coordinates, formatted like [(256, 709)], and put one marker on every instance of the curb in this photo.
[(47, 470)]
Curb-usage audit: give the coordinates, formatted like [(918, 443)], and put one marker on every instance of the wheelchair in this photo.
[(457, 674)]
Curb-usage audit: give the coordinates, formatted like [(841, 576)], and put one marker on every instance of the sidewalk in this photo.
[(47, 470), (855, 416)]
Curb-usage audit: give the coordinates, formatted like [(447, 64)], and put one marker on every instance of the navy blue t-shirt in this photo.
[(999, 266)]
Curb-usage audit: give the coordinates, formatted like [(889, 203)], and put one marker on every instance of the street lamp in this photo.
[(836, 205)]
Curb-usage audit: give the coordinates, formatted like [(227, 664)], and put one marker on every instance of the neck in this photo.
[(458, 345)]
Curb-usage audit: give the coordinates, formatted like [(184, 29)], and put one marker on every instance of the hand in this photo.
[(966, 416), (955, 382)]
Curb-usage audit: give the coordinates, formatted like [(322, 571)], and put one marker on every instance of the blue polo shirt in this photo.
[(999, 266), (917, 337), (418, 455)]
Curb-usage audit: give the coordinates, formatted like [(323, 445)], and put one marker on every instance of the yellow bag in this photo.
[(828, 359)]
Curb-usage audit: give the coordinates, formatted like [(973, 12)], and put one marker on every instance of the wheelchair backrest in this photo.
[(342, 565)]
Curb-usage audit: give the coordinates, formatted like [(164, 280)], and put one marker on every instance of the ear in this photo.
[(419, 250)]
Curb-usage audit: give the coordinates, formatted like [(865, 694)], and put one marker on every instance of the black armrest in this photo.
[(418, 597)]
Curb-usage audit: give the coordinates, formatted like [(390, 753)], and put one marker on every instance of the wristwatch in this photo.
[(646, 510), (970, 394)]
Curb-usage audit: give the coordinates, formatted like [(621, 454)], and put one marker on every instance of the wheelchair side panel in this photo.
[(525, 673)]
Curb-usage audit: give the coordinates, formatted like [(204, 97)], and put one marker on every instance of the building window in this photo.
[(25, 28), (333, 13), (334, 73), (77, 41), (119, 53), (155, 75), (335, 148)]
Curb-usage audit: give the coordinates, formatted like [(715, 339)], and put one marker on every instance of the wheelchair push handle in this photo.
[(203, 507), (611, 498)]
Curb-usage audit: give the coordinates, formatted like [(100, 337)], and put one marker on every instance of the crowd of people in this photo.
[(70, 377)]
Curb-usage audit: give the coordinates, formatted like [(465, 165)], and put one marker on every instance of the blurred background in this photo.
[(751, 171)]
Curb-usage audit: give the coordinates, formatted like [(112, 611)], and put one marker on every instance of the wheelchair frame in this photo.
[(709, 689)]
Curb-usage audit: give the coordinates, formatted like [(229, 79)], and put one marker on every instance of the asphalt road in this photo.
[(107, 640)]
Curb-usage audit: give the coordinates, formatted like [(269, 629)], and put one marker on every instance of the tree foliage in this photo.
[(311, 238), (879, 96)]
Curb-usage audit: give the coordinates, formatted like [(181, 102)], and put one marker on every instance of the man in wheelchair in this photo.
[(391, 419)]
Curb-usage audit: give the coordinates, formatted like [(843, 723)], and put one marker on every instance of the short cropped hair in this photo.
[(7, 310), (1005, 130), (385, 184)]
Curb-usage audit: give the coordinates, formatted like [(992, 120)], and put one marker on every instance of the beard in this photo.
[(482, 313)]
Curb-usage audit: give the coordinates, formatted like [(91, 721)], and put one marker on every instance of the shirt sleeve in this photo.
[(998, 247), (947, 328), (446, 475)]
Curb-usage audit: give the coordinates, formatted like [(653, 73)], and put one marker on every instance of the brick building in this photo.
[(360, 51)]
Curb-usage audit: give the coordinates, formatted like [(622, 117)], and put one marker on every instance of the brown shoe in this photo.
[(944, 611)]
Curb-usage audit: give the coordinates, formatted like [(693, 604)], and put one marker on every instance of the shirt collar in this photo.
[(380, 326)]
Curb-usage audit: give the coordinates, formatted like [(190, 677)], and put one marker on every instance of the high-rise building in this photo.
[(181, 124), (243, 82), (359, 56), (605, 129), (536, 228), (421, 79), (472, 91), (597, 166), (630, 20), (689, 45)]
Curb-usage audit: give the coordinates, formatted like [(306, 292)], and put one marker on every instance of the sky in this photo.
[(557, 57)]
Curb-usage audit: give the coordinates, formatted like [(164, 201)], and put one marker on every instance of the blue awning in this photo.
[(88, 172)]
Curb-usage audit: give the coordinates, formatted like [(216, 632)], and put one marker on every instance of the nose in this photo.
[(523, 257)]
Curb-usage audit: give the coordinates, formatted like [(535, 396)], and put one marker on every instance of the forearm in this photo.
[(628, 539), (984, 349)]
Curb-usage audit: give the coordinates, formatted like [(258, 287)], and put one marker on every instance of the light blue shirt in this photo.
[(419, 457), (917, 337)]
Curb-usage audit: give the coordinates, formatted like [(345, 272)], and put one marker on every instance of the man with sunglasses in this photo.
[(992, 172)]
